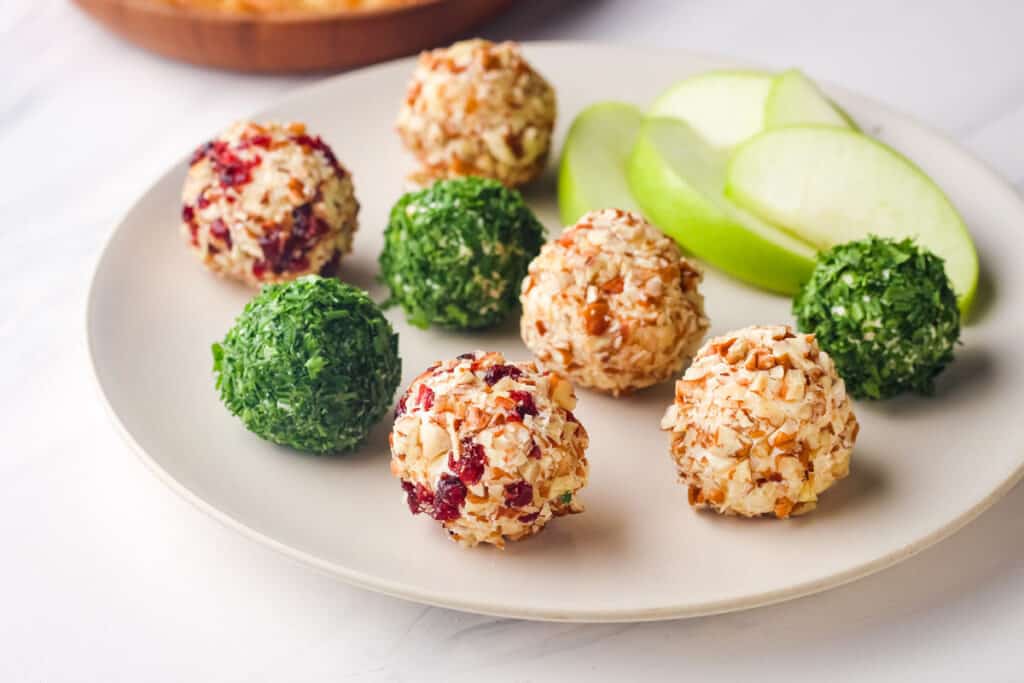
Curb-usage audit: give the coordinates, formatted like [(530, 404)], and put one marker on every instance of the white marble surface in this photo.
[(105, 575)]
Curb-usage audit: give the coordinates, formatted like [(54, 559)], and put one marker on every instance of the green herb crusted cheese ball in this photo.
[(455, 253), (885, 312), (311, 364)]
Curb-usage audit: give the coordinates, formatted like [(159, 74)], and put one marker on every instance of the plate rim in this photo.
[(403, 591)]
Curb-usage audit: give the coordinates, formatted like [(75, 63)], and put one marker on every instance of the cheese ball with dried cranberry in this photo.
[(268, 203), (612, 304), (490, 449), (478, 108), (761, 424)]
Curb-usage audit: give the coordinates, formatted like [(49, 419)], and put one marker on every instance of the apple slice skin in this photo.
[(794, 99), (829, 185), (591, 174), (709, 228), (724, 107)]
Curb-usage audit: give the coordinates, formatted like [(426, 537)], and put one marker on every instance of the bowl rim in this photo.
[(168, 10)]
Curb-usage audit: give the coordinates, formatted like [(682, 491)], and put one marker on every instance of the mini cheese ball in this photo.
[(478, 108), (456, 252), (612, 304), (490, 449), (761, 424), (886, 313), (267, 203)]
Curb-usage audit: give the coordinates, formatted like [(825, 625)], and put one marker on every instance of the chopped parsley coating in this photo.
[(456, 253), (312, 364), (885, 311)]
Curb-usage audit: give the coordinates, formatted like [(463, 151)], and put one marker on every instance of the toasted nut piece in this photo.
[(596, 317), (783, 507), (562, 393), (434, 439)]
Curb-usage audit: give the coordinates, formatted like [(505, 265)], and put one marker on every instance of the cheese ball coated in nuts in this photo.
[(478, 108), (761, 424), (612, 304), (266, 203), (489, 449)]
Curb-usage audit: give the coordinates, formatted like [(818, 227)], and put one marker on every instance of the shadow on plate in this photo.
[(966, 379), (599, 532), (865, 484), (362, 274)]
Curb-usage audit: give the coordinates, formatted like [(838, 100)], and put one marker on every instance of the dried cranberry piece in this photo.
[(524, 403), (400, 408), (202, 202), (527, 519), (496, 373), (302, 220), (288, 251), (330, 269), (534, 451), (201, 152), (471, 463), (411, 499), (305, 225), (518, 494), (219, 230), (425, 397), (259, 140), (449, 497), (318, 144), (231, 170), (418, 497), (270, 243), (426, 498), (259, 268), (188, 215)]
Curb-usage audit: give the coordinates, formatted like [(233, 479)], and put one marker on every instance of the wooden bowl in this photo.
[(291, 42)]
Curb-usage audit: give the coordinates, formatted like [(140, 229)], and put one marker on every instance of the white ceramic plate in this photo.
[(922, 467)]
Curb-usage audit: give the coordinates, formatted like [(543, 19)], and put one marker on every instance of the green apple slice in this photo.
[(829, 185), (592, 174), (724, 107), (678, 179), (794, 99)]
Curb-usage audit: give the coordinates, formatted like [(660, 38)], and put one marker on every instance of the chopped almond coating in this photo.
[(612, 304), (488, 448), (761, 424), (478, 108)]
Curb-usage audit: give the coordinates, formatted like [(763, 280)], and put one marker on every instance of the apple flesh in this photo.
[(728, 107), (794, 100), (679, 180), (724, 107), (592, 171), (828, 185)]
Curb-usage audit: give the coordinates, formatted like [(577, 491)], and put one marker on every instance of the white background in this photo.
[(106, 576)]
